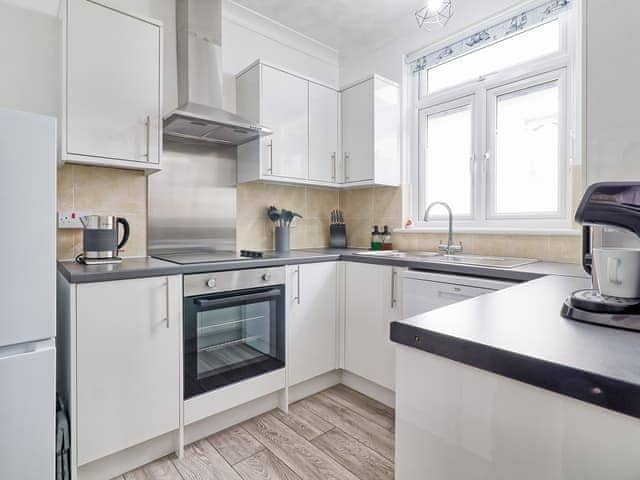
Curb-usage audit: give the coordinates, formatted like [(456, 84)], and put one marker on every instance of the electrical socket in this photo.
[(70, 219)]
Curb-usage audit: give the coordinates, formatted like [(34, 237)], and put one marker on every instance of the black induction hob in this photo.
[(191, 258)]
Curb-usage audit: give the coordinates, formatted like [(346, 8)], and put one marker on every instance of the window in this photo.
[(521, 48), (449, 147), (524, 143), (493, 127)]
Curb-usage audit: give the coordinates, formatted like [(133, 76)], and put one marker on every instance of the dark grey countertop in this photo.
[(519, 333), (151, 267)]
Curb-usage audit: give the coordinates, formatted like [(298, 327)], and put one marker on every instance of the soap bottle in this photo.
[(386, 239), (376, 239)]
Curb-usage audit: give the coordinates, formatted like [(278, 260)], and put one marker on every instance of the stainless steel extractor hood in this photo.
[(200, 115)]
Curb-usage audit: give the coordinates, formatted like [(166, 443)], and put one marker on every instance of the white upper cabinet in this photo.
[(285, 109), (280, 101), (357, 132), (371, 132), (323, 134), (112, 88)]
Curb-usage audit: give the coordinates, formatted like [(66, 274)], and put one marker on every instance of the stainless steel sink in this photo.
[(459, 259), (398, 254), (484, 261), (383, 253)]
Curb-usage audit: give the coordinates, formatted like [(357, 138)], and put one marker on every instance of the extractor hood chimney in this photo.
[(200, 115)]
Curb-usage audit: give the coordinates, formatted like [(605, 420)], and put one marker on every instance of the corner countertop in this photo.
[(519, 333), (150, 267)]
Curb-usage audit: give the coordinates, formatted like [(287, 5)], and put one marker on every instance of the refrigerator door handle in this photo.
[(29, 347)]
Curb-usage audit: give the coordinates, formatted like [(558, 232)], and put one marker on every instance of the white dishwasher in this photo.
[(425, 291)]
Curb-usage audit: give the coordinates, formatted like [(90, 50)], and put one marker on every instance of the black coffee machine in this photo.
[(606, 204)]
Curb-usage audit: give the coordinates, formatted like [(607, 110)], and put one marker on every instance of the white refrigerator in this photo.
[(27, 295)]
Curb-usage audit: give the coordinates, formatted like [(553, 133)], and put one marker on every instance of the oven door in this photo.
[(232, 336)]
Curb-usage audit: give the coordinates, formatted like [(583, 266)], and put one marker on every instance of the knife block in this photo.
[(338, 236)]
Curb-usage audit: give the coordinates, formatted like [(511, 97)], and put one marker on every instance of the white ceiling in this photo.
[(341, 24)]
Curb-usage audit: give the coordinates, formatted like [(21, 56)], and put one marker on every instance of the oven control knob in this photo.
[(211, 283), (266, 277)]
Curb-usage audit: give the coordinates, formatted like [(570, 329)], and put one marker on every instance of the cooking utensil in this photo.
[(288, 217), (274, 215)]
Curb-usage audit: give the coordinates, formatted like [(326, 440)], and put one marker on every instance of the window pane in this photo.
[(448, 157), (534, 43), (527, 153)]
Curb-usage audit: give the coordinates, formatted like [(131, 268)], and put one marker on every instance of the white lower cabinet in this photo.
[(128, 336), (312, 313), (372, 302)]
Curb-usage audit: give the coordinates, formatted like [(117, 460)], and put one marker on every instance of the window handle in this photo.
[(485, 160)]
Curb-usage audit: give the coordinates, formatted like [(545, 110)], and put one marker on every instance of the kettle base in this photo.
[(98, 261)]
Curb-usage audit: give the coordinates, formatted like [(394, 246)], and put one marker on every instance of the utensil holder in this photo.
[(283, 237), (338, 236)]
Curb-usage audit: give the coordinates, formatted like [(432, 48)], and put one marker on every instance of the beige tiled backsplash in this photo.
[(123, 193), (255, 231), (103, 191), (365, 207)]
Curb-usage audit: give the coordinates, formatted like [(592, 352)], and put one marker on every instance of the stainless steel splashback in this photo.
[(192, 201)]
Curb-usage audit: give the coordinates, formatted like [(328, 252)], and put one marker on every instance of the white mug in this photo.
[(618, 271)]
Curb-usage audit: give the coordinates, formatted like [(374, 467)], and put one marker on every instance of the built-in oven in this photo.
[(234, 327)]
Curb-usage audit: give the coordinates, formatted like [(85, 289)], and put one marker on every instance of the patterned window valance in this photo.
[(533, 17)]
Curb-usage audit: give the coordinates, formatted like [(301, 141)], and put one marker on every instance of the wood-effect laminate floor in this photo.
[(337, 434)]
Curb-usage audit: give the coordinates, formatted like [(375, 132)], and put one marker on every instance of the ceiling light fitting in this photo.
[(434, 13)]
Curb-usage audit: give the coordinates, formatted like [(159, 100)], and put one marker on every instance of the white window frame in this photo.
[(436, 109), (558, 76), (562, 65)]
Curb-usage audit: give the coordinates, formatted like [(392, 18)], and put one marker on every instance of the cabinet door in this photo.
[(371, 305), (357, 132), (285, 109), (128, 363), (391, 312), (424, 296), (112, 86), (311, 321), (323, 134)]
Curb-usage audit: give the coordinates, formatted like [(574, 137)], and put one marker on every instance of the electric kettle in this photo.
[(100, 238)]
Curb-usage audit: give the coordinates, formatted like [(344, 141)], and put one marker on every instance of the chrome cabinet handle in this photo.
[(270, 147), (394, 275), (334, 168), (168, 304), (147, 126), (297, 297), (452, 295), (347, 156)]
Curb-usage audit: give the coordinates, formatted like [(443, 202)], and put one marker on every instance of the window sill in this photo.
[(560, 232)]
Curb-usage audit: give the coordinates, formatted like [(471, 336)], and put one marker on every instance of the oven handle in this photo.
[(227, 301)]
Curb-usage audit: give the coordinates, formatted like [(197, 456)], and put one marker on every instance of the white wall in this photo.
[(386, 60)]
